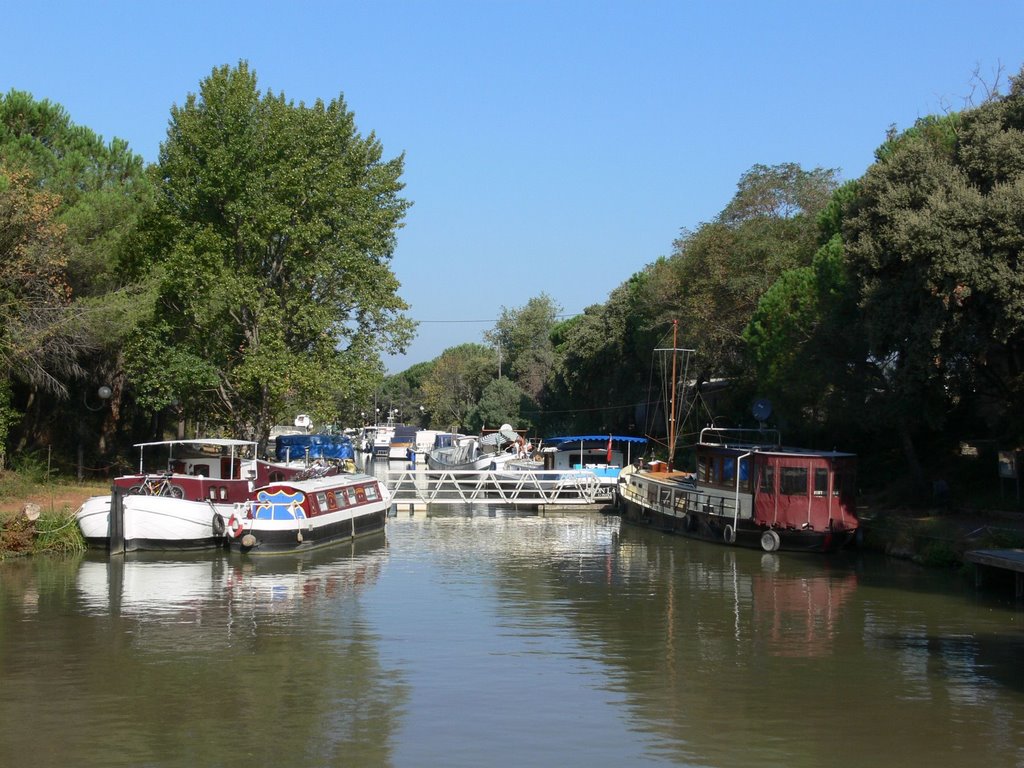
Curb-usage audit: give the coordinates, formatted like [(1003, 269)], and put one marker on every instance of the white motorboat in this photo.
[(472, 453)]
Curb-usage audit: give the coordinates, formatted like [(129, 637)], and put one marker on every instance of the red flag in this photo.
[(608, 458)]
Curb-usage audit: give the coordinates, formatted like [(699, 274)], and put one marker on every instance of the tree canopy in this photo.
[(91, 194), (275, 227)]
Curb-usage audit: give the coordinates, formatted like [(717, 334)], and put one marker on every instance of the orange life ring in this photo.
[(235, 528)]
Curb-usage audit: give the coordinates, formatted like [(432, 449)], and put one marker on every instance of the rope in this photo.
[(55, 530)]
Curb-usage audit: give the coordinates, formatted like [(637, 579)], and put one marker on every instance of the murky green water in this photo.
[(484, 639)]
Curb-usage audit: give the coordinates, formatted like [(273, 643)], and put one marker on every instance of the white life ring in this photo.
[(729, 535), (770, 541), (235, 528)]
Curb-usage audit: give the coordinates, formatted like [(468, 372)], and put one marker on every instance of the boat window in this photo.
[(728, 469), (371, 492), (821, 481), (793, 481), (767, 479)]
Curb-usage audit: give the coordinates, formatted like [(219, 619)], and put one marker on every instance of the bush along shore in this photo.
[(34, 532), (37, 516), (940, 538)]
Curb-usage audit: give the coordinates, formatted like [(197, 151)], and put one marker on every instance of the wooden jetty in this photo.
[(1001, 559)]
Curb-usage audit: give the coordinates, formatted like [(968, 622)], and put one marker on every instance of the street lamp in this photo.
[(103, 393)]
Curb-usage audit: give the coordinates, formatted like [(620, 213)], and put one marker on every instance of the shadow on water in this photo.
[(967, 659)]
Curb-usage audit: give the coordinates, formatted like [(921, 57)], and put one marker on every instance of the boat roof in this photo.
[(324, 483), (593, 438), (767, 441), (223, 442)]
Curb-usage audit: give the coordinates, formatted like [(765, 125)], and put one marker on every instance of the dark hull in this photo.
[(268, 542), (158, 545), (745, 533)]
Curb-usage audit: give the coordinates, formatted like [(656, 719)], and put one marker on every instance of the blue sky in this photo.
[(553, 147)]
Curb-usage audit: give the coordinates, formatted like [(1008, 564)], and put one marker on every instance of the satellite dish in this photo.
[(762, 409), (302, 420)]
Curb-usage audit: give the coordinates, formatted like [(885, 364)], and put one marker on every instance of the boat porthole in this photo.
[(729, 534), (770, 541)]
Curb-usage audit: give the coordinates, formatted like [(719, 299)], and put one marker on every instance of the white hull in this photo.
[(155, 522)]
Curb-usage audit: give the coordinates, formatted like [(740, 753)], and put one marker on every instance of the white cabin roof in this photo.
[(220, 442)]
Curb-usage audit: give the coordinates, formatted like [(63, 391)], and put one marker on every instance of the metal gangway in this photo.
[(416, 486)]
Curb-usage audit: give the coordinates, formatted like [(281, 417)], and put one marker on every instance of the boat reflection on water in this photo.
[(775, 605), (797, 614), (182, 587)]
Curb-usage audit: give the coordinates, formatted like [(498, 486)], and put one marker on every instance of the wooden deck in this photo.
[(1002, 559)]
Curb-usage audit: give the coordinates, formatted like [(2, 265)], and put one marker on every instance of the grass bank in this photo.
[(939, 538), (54, 531)]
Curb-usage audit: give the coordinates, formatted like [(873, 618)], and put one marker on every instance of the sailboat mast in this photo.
[(672, 397)]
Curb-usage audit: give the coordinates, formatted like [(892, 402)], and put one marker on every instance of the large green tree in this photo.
[(102, 187), (935, 241), (718, 272), (500, 403), (277, 223), (98, 190), (603, 360), (456, 383), (522, 337), (804, 344), (34, 295)]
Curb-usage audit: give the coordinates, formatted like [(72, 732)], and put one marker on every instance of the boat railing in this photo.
[(678, 499), (745, 439)]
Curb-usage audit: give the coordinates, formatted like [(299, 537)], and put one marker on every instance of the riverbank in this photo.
[(939, 537), (54, 531)]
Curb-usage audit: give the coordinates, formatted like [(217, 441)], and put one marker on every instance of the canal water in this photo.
[(475, 637)]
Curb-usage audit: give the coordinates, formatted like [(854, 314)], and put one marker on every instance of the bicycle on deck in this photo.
[(158, 485)]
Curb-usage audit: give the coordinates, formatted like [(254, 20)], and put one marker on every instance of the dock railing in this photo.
[(411, 486)]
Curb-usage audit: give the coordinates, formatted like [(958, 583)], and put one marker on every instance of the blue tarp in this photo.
[(293, 447)]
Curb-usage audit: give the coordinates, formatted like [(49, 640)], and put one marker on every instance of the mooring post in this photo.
[(116, 521)]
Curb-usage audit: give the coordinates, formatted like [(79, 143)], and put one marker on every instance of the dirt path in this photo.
[(53, 497)]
